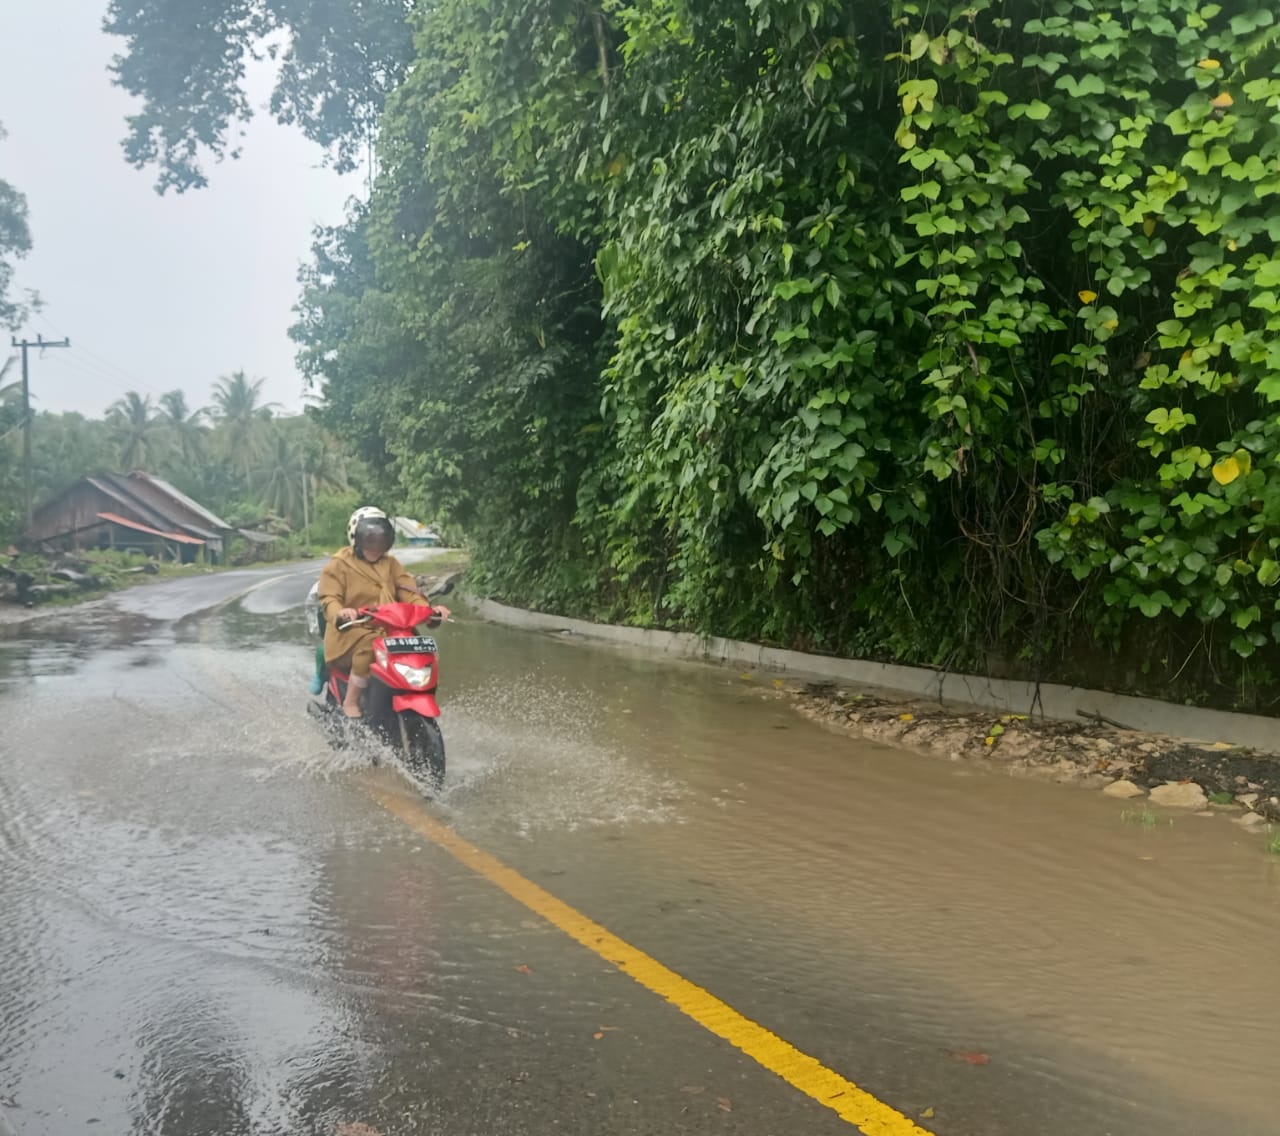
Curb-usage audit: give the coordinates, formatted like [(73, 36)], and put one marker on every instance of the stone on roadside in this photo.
[(1124, 790), (1250, 820), (1179, 795), (1247, 798)]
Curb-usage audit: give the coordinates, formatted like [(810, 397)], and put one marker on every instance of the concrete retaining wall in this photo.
[(1049, 700)]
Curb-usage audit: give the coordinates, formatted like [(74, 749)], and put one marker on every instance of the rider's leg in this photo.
[(361, 662)]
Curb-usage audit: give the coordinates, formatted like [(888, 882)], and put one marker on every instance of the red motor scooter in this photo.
[(400, 702)]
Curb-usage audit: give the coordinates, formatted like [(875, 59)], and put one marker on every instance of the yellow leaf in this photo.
[(1087, 297), (989, 741), (1222, 100), (1111, 325), (927, 1114), (1209, 64), (1244, 460), (1226, 471), (906, 717), (1149, 226)]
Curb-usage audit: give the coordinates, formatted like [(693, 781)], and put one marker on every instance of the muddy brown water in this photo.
[(209, 926)]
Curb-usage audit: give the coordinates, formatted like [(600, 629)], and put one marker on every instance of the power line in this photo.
[(106, 369)]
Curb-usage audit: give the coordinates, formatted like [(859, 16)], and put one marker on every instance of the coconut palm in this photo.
[(137, 431), (277, 477), (185, 427), (11, 392), (240, 417), (10, 402)]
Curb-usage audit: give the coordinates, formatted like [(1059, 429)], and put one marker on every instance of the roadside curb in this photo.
[(1048, 700)]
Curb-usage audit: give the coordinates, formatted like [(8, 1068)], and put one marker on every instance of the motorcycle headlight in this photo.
[(414, 676)]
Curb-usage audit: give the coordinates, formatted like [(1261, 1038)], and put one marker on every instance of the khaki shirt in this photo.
[(348, 581)]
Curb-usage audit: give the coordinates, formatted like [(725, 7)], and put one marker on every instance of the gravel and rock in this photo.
[(1127, 764)]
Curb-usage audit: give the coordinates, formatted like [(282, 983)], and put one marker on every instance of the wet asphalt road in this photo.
[(212, 923)]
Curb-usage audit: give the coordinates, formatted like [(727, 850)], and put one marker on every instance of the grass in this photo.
[(449, 561), (1273, 843), (1144, 817)]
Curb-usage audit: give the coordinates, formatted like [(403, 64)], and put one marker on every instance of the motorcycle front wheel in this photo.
[(422, 746)]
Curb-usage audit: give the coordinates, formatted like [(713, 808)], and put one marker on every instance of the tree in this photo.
[(185, 427), (15, 242), (137, 431), (186, 61), (239, 417), (71, 446), (277, 479)]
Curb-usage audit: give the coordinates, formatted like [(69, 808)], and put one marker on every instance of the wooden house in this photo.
[(135, 511)]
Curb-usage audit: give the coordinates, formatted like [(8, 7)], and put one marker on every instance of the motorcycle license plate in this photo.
[(410, 645)]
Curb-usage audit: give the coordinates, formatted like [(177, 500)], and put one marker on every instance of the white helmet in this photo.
[(369, 519)]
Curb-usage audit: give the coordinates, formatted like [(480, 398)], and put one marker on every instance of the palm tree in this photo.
[(185, 427), (10, 401), (138, 432), (277, 479), (13, 391), (240, 416)]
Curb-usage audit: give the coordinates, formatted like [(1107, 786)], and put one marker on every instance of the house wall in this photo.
[(75, 510), (166, 506)]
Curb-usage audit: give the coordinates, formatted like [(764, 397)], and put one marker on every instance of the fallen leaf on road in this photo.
[(355, 1129), (694, 1089), (524, 969), (928, 1113), (968, 1057), (723, 1104), (597, 1036)]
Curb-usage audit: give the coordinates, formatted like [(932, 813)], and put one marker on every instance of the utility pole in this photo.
[(40, 343)]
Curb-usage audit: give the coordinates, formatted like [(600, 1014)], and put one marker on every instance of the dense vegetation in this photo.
[(947, 334), (15, 242), (284, 474)]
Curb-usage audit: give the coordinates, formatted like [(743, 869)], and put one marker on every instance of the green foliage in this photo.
[(15, 242), (940, 333), (236, 458), (186, 61), (456, 332)]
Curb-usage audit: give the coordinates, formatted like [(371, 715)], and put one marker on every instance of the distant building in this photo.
[(412, 532), (135, 511)]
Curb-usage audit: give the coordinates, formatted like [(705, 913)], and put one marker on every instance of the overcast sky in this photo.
[(154, 292)]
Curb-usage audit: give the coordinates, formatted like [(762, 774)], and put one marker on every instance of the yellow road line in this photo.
[(852, 1104)]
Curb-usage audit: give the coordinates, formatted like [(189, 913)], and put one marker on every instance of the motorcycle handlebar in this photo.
[(367, 617), (353, 622)]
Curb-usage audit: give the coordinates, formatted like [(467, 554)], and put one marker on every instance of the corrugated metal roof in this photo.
[(118, 520), (177, 494), (109, 484)]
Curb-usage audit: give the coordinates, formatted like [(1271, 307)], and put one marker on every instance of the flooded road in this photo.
[(212, 924)]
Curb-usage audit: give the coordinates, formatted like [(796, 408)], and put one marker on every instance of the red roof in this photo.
[(116, 519)]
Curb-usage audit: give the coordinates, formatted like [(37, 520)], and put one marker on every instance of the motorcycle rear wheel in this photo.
[(422, 746)]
